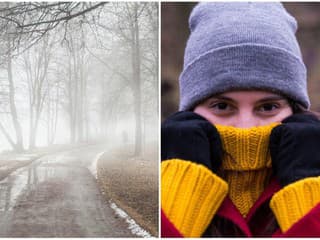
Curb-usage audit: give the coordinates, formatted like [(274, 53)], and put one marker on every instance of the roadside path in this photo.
[(57, 196)]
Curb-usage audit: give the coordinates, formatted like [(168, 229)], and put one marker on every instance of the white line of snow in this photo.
[(133, 226), (93, 167)]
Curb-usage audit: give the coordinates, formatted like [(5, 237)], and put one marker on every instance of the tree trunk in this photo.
[(8, 137), (137, 81), (71, 101), (19, 138), (54, 118)]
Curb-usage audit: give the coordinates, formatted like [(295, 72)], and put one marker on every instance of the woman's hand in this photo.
[(295, 148), (188, 136)]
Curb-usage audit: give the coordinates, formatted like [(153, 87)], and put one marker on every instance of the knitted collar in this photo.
[(246, 163)]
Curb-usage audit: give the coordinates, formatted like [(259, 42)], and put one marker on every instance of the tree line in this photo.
[(95, 64)]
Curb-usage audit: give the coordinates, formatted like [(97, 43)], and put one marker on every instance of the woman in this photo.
[(242, 156)]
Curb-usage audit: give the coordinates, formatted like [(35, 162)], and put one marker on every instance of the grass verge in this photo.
[(132, 183)]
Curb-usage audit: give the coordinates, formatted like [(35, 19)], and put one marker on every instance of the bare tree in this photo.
[(128, 29), (16, 144), (75, 84), (36, 64), (61, 46), (33, 20), (22, 26), (53, 106)]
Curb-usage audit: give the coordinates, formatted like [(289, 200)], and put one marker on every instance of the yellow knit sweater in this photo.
[(191, 194), (246, 163)]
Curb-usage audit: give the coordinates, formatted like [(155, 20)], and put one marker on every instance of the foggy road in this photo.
[(57, 196)]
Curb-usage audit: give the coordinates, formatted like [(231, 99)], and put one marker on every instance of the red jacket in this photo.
[(260, 221)]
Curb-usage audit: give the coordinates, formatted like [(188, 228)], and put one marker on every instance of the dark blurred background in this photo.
[(175, 31)]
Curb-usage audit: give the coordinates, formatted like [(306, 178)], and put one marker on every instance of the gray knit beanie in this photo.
[(242, 46)]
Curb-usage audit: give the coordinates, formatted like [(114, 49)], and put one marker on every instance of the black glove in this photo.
[(295, 148), (188, 136)]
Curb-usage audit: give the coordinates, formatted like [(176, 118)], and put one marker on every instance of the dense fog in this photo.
[(78, 72)]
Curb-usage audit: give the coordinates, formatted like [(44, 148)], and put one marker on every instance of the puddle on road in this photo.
[(28, 177), (10, 189)]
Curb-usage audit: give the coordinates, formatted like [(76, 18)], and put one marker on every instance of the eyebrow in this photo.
[(272, 98), (265, 99)]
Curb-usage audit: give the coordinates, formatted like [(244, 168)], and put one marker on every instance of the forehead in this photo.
[(252, 96), (249, 95)]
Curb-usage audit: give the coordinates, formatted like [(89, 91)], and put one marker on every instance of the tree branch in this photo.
[(65, 18)]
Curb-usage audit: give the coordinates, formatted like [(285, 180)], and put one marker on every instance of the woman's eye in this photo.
[(221, 107), (267, 107)]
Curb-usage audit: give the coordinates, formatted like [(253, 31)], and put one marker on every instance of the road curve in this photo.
[(57, 196)]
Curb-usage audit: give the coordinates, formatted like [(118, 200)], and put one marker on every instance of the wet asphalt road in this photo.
[(57, 196)]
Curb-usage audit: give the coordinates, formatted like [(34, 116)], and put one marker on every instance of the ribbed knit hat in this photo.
[(242, 46)]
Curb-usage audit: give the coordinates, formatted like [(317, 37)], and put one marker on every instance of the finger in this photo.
[(185, 116), (274, 144), (215, 145), (302, 117)]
